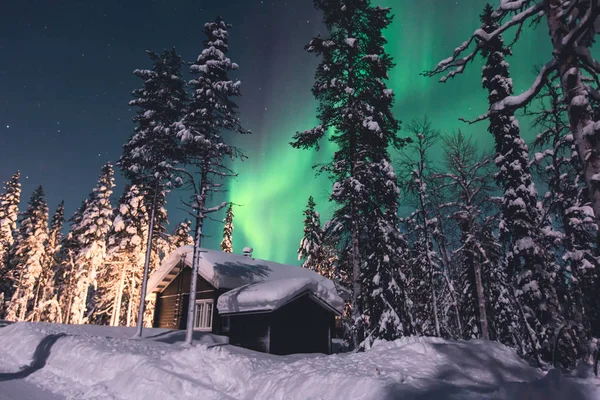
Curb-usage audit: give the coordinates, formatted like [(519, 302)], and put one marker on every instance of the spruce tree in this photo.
[(89, 247), (9, 210), (45, 301), (28, 256), (355, 108), (227, 242), (313, 249), (181, 235), (67, 268), (125, 260), (149, 156), (204, 151)]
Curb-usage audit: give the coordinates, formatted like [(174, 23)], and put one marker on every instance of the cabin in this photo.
[(260, 305)]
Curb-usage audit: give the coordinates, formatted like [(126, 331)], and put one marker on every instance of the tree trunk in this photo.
[(131, 301), (483, 322), (357, 286), (140, 321), (579, 112), (35, 313), (116, 313), (201, 202)]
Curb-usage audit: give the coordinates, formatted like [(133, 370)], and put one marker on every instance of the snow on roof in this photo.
[(230, 271), (273, 294)]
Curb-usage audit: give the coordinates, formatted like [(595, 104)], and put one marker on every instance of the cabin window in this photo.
[(204, 315), (225, 324)]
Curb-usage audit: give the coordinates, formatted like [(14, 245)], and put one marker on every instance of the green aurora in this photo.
[(275, 182)]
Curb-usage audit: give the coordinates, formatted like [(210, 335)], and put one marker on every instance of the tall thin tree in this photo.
[(355, 108), (151, 152), (204, 150)]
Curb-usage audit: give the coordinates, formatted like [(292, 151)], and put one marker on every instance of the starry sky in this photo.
[(66, 79)]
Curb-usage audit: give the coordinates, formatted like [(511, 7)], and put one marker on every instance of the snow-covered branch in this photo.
[(521, 100), (482, 38), (586, 22)]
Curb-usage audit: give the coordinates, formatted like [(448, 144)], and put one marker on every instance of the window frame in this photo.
[(204, 303)]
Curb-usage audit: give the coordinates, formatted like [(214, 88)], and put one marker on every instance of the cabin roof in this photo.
[(273, 294), (231, 271)]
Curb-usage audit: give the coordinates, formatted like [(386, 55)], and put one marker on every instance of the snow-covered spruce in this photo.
[(117, 297), (313, 250), (87, 247), (529, 265), (356, 105), (149, 156), (227, 242), (45, 304), (27, 257), (9, 210), (181, 236), (204, 151)]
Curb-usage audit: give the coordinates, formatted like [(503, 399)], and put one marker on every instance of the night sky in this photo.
[(66, 79)]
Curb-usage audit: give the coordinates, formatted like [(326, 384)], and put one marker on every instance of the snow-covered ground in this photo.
[(102, 363)]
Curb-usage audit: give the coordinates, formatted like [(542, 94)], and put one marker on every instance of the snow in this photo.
[(101, 363), (229, 270), (273, 294)]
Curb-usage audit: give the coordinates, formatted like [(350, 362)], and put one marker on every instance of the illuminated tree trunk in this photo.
[(116, 313)]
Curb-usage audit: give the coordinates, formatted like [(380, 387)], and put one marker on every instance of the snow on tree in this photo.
[(529, 268), (28, 256), (118, 289), (9, 210), (211, 112), (567, 202), (227, 242), (45, 301), (149, 156), (355, 112), (181, 235), (468, 180), (313, 249), (432, 286), (89, 251), (67, 268)]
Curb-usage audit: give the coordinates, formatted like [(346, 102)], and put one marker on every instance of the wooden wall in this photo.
[(302, 326), (172, 303), (250, 331)]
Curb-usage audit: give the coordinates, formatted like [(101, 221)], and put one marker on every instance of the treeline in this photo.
[(91, 275), (485, 253)]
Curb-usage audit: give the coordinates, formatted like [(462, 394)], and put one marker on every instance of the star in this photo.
[(7, 126)]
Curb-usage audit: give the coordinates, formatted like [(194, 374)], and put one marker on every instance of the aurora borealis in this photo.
[(66, 81)]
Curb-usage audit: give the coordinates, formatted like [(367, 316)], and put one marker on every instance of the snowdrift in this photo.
[(101, 363)]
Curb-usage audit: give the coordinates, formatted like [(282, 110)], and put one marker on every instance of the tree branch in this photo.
[(516, 102)]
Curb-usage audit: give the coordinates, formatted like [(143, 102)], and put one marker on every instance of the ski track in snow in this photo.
[(103, 363)]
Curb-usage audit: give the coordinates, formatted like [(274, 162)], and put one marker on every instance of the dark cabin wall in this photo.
[(250, 331), (172, 303), (302, 326)]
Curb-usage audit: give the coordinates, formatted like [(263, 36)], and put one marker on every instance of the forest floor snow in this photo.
[(104, 363)]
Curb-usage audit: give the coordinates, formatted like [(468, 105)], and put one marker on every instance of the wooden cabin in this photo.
[(258, 304)]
